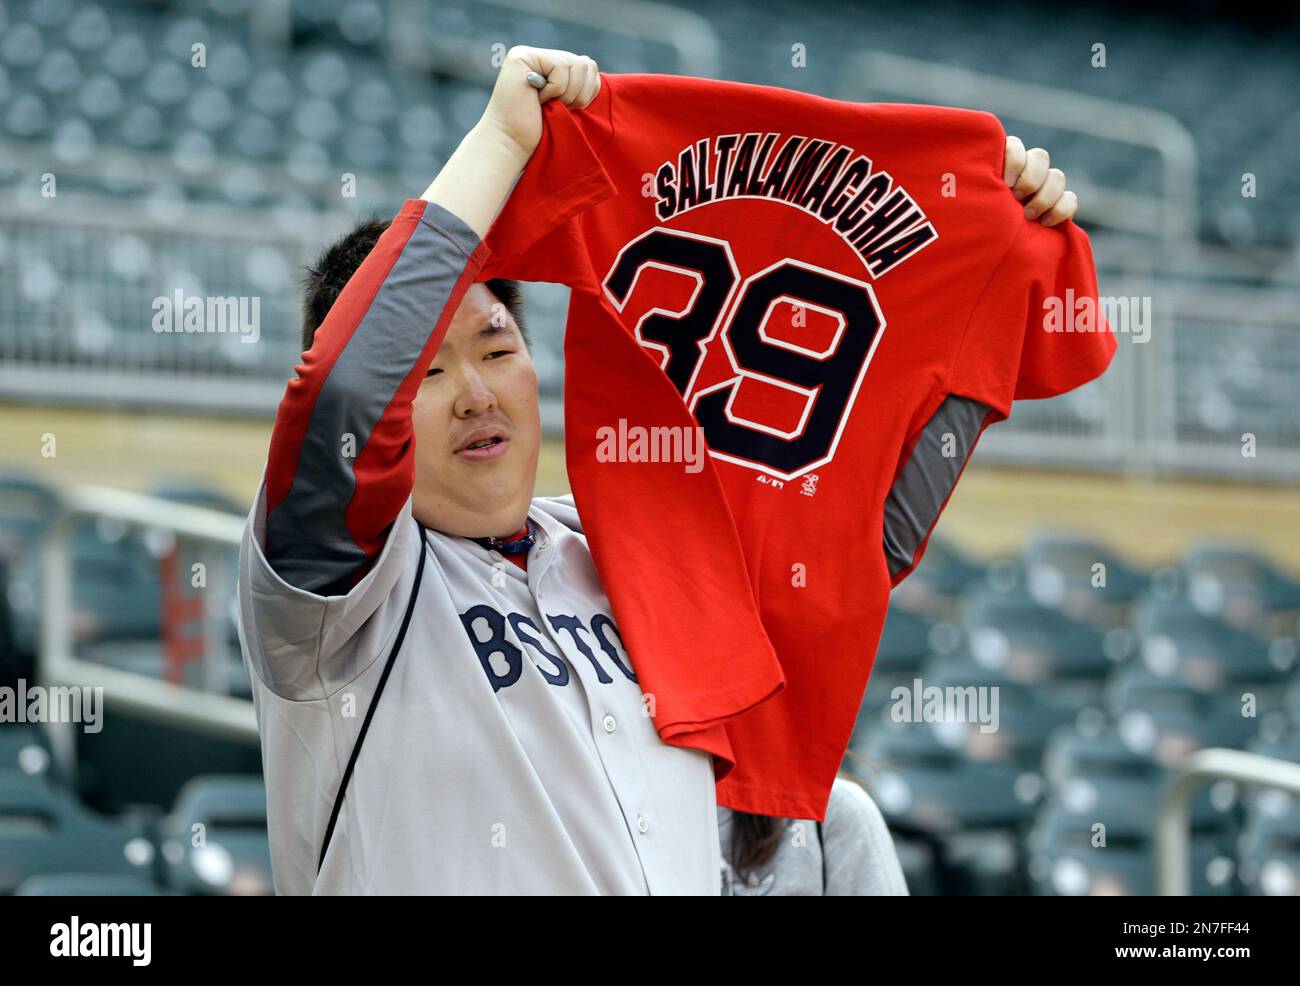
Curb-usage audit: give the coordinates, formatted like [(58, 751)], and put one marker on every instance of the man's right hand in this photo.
[(515, 109)]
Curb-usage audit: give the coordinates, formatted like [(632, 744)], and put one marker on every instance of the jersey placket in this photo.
[(614, 709)]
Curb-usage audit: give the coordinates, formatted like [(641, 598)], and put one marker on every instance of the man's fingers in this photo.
[(1066, 206), (573, 79), (1014, 162), (1048, 195), (1034, 174), (578, 72), (592, 89), (557, 72)]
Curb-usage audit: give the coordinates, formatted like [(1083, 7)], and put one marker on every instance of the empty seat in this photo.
[(1179, 642), (1079, 576), (44, 829), (925, 786), (215, 837), (88, 885), (1011, 631)]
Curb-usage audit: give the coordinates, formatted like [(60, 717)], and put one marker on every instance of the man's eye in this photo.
[(432, 371), (501, 352)]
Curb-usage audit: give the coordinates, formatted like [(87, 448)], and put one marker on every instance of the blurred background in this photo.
[(212, 147)]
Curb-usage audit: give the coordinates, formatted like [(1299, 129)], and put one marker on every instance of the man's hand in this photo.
[(1041, 188), (515, 108)]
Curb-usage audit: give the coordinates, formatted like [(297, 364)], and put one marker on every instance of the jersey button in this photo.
[(642, 823), (609, 724)]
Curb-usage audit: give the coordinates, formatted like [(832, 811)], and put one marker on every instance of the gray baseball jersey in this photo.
[(510, 753)]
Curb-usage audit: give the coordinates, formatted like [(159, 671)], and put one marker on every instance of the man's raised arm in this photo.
[(341, 459)]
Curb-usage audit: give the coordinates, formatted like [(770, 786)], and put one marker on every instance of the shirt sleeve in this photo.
[(1037, 328), (305, 645), (536, 235), (861, 860), (342, 456)]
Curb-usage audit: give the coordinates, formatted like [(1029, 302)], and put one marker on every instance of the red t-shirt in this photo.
[(827, 290)]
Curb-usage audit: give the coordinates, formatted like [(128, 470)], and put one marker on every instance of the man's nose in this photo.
[(475, 396)]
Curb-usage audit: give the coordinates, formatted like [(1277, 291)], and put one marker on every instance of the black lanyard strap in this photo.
[(379, 690)]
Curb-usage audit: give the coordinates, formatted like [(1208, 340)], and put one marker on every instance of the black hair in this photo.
[(323, 281)]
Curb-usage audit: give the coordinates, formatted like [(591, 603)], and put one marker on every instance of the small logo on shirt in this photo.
[(750, 884), (809, 487)]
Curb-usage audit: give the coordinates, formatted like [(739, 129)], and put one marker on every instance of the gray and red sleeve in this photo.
[(342, 458)]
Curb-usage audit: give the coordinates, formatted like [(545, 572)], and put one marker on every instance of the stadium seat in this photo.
[(1061, 575), (215, 839), (44, 829), (904, 644), (1179, 642), (943, 574), (1009, 631), (1066, 859), (1027, 715), (27, 507), (116, 593), (25, 750), (1238, 584), (1270, 846), (984, 864), (88, 885), (1084, 767), (1183, 717), (924, 786)]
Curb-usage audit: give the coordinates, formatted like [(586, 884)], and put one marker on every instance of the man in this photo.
[(507, 745)]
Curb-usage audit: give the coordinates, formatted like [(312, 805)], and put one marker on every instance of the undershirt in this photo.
[(521, 559)]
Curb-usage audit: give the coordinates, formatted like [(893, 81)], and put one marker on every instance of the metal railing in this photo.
[(691, 37), (1173, 215), (140, 695), (1172, 822)]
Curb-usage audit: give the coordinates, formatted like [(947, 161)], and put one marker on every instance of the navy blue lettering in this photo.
[(572, 624), (561, 675), (495, 644), (599, 623)]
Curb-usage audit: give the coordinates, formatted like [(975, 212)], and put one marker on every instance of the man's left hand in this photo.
[(1040, 187)]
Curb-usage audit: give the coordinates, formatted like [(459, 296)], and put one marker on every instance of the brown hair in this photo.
[(756, 838)]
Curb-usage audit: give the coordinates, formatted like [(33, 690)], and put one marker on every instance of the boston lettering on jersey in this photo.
[(842, 297), (881, 222), (496, 649)]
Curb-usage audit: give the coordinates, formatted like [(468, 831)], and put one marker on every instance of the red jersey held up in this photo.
[(832, 300)]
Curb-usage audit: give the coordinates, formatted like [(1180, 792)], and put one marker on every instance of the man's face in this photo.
[(482, 384)]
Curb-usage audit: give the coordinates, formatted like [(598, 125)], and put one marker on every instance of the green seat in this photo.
[(88, 885), (44, 829), (215, 839)]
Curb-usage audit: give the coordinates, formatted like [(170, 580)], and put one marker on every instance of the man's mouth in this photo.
[(484, 447)]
